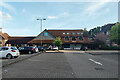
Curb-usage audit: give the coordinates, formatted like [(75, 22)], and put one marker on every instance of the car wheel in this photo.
[(29, 52), (9, 56)]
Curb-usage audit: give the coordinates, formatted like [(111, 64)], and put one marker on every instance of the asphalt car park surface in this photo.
[(64, 65), (6, 62)]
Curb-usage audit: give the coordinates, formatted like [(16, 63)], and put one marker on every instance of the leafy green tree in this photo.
[(94, 31), (58, 42), (86, 33), (115, 33)]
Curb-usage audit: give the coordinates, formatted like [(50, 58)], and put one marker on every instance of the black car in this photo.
[(84, 48), (35, 49), (26, 50)]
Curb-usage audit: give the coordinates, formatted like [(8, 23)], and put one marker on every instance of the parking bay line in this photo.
[(96, 62)]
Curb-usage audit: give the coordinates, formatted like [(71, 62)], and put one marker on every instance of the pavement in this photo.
[(65, 65), (55, 51), (92, 51)]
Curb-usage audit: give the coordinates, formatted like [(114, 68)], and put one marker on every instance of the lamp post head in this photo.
[(44, 19), (37, 19), (41, 19)]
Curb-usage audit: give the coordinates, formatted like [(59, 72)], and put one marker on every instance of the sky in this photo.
[(19, 18)]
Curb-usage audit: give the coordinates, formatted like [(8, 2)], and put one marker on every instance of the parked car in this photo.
[(41, 48), (36, 49), (55, 48), (9, 52), (26, 50), (48, 48), (84, 48)]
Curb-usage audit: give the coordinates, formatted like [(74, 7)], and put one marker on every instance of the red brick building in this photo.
[(71, 39)]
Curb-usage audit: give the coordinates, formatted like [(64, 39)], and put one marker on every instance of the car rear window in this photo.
[(27, 47), (13, 48)]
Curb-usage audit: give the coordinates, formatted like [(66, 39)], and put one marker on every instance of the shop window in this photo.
[(66, 45)]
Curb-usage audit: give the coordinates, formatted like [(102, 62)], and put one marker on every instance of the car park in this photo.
[(26, 50), (9, 52)]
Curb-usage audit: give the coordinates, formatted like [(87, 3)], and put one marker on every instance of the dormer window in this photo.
[(73, 33), (63, 33), (68, 33)]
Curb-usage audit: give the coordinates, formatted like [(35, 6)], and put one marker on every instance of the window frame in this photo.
[(67, 37), (81, 38), (74, 38)]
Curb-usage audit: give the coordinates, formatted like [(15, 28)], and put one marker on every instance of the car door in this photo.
[(0, 52), (3, 52)]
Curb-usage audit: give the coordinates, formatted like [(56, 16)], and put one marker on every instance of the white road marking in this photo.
[(96, 62)]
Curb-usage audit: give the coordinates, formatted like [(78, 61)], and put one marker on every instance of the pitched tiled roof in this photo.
[(3, 35), (6, 34), (19, 40), (58, 33)]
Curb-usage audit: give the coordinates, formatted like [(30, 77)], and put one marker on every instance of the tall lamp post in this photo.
[(41, 25)]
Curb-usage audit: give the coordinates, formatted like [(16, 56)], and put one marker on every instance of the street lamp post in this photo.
[(41, 26)]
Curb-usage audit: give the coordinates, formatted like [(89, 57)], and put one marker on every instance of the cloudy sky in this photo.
[(19, 18)]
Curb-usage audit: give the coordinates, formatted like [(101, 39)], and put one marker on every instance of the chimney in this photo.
[(0, 29)]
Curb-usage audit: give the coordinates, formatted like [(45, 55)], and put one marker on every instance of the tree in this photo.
[(86, 33), (85, 30), (94, 31), (58, 42), (115, 33)]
